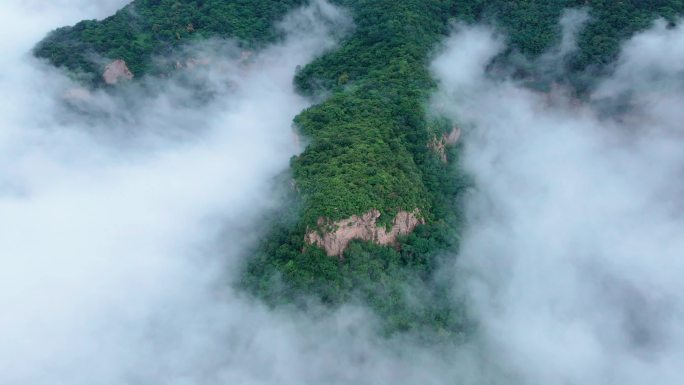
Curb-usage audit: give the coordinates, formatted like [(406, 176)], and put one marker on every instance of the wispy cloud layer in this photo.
[(118, 251), (124, 216), (573, 252)]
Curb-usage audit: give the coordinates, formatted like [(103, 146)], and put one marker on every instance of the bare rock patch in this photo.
[(335, 237), (116, 71)]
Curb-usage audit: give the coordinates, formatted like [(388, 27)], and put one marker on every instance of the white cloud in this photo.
[(115, 225), (124, 219), (110, 224), (573, 251)]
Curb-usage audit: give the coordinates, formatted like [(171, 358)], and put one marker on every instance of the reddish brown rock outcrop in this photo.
[(335, 237), (453, 136), (438, 145), (116, 71)]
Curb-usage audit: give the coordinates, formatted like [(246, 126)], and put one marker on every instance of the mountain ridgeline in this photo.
[(375, 162)]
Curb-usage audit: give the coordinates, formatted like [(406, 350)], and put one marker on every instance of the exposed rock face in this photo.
[(453, 136), (438, 146), (116, 71), (335, 237)]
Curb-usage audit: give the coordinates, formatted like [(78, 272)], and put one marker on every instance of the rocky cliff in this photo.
[(335, 237), (116, 71)]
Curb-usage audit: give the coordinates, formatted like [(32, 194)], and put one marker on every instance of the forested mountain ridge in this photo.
[(370, 140), (147, 28)]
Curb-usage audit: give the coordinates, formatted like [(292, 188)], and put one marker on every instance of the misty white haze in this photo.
[(112, 269), (121, 232), (573, 253)]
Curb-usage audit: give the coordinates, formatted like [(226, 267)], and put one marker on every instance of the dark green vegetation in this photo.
[(148, 28), (369, 140), (400, 285), (532, 27), (369, 150)]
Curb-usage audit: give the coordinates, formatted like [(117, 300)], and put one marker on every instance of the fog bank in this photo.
[(121, 230), (125, 215), (573, 253)]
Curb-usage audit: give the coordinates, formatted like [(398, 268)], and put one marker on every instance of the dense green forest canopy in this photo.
[(369, 140)]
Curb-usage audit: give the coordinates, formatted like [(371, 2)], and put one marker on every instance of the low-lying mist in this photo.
[(122, 230), (573, 255), (125, 216)]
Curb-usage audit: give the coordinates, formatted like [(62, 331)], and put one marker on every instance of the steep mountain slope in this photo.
[(371, 160)]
